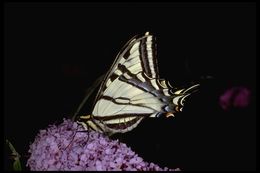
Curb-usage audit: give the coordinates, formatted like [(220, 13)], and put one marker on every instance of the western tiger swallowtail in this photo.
[(132, 90)]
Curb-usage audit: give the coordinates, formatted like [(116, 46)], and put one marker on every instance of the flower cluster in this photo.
[(69, 147), (236, 97)]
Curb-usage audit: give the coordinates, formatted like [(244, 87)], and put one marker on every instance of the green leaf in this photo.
[(15, 156), (17, 165)]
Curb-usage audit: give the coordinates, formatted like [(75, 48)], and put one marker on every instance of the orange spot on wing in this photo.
[(169, 114)]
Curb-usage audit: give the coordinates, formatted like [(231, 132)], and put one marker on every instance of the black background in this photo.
[(54, 52)]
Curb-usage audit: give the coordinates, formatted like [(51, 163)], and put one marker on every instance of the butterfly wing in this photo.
[(128, 92), (139, 53)]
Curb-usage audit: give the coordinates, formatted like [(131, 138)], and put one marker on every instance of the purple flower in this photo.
[(70, 147), (237, 97)]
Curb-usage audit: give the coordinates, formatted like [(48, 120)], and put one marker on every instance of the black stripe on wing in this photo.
[(146, 86), (148, 52), (124, 125)]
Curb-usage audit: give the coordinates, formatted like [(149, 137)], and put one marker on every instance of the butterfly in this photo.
[(131, 90)]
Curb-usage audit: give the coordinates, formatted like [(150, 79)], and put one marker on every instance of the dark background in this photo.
[(54, 52)]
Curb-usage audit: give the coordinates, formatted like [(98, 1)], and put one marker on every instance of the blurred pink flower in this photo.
[(56, 148), (237, 97)]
